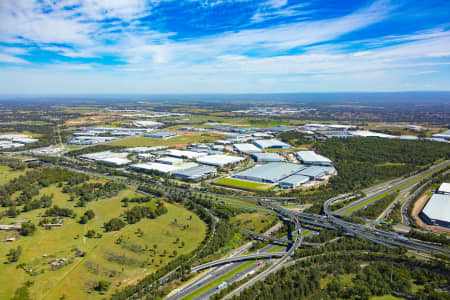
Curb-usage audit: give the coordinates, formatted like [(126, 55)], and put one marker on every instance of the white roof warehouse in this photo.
[(312, 158)]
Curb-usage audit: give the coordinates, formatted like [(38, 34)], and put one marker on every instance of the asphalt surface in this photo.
[(388, 187), (216, 273)]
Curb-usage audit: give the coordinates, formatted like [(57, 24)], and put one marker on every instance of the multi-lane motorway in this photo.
[(397, 185), (329, 221)]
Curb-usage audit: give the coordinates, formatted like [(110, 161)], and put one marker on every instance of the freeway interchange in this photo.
[(278, 259), (329, 221)]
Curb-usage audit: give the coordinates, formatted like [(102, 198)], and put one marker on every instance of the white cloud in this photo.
[(6, 58), (426, 72)]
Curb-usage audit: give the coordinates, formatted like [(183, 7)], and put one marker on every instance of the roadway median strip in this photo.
[(218, 281), (392, 191)]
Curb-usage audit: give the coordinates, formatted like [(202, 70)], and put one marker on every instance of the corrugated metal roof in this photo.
[(295, 180), (219, 160), (444, 188), (247, 148), (272, 172), (438, 207), (266, 157), (316, 171), (312, 157), (271, 143), (196, 172)]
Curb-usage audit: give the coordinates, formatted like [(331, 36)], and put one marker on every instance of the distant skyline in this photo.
[(223, 46)]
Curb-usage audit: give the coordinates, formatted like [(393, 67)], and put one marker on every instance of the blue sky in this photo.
[(223, 46)]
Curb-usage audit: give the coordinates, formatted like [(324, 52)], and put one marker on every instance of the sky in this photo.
[(223, 46)]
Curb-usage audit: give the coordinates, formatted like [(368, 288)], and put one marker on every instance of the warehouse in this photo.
[(102, 155), (312, 158), (317, 172), (219, 160), (437, 211), (9, 144), (266, 157), (161, 135), (107, 157), (144, 149), (168, 160), (269, 173), (90, 140), (146, 156), (246, 148), (195, 173), (293, 181), (184, 153), (442, 135), (115, 161), (147, 124), (444, 188), (271, 144), (162, 168)]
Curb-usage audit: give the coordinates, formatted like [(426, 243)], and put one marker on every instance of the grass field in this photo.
[(181, 140), (257, 222), (74, 279), (231, 182), (7, 174)]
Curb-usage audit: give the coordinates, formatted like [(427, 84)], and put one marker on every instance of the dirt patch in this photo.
[(417, 208)]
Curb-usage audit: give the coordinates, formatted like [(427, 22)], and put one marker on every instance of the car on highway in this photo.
[(260, 263)]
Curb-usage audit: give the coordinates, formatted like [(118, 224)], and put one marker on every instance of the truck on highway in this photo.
[(222, 285)]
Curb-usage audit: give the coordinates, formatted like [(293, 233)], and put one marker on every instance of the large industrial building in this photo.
[(195, 173), (293, 181), (246, 148), (162, 168), (444, 188), (442, 135), (271, 144), (219, 160), (269, 173), (107, 157), (286, 175), (185, 153), (161, 135), (90, 140), (15, 140), (169, 160), (437, 210), (266, 157), (317, 172), (144, 149), (312, 158), (147, 124), (187, 171)]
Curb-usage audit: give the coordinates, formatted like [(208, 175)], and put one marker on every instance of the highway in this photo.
[(216, 273), (273, 268), (398, 185), (329, 221)]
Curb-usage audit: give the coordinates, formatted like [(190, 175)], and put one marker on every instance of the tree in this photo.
[(27, 228), (102, 285), (115, 224), (14, 254), (90, 234)]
